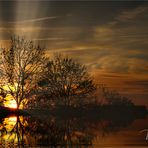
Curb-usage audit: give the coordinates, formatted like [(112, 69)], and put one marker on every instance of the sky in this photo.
[(109, 37)]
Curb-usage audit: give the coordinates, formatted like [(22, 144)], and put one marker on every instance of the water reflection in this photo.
[(53, 132), (12, 131)]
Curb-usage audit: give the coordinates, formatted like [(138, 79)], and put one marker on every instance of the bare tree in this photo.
[(67, 82), (21, 66)]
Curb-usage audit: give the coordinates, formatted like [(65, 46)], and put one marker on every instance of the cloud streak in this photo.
[(34, 20), (132, 14)]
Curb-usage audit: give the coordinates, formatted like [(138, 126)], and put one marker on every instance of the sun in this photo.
[(10, 102)]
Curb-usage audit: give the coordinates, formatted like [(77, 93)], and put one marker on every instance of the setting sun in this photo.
[(11, 103), (9, 100)]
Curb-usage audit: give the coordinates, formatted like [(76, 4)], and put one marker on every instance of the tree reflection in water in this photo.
[(12, 131), (75, 132)]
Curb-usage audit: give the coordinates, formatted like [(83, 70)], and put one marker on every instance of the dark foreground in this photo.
[(92, 112), (6, 111), (67, 127), (113, 111)]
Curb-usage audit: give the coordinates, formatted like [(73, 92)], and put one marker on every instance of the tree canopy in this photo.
[(20, 67), (67, 82)]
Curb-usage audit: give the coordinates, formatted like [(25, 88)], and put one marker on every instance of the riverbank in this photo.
[(6, 111), (105, 111), (92, 112)]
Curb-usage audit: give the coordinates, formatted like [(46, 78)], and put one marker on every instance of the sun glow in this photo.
[(9, 100), (11, 103), (10, 122)]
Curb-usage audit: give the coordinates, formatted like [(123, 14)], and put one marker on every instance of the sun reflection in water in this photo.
[(11, 130), (10, 122)]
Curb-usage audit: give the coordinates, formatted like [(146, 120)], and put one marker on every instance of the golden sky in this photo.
[(110, 38)]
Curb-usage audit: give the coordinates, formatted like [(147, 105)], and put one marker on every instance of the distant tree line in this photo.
[(112, 97)]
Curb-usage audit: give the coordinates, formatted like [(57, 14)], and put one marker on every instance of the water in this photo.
[(41, 130)]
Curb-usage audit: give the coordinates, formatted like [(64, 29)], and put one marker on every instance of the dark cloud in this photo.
[(111, 76), (111, 36)]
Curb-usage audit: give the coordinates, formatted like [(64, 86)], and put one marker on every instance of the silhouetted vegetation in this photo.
[(2, 96), (21, 66), (75, 120), (67, 82), (33, 80), (112, 97)]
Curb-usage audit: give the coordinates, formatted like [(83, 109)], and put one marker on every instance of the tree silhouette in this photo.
[(67, 82), (21, 66), (2, 96), (112, 97)]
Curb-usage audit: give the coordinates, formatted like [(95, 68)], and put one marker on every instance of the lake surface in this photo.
[(40, 130)]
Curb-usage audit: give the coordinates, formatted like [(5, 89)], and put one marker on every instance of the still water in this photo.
[(45, 131)]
